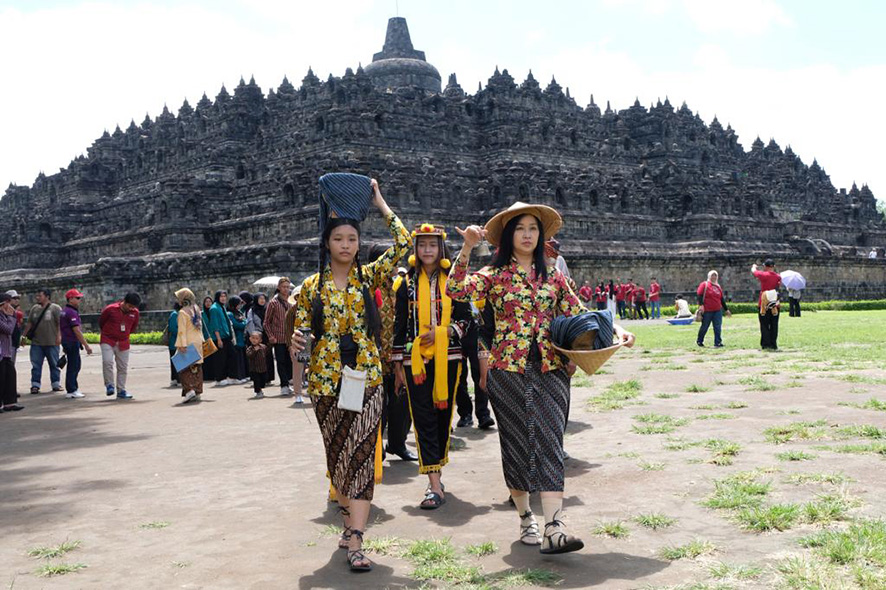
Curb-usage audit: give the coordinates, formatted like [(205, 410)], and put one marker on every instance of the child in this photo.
[(256, 358)]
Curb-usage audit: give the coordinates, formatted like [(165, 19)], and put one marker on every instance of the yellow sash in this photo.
[(439, 351)]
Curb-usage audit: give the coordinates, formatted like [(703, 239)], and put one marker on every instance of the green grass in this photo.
[(382, 545), (666, 395), (716, 416), (735, 405), (828, 508), (795, 456), (874, 448), (481, 549), (724, 571), (694, 388), (153, 338), (615, 529), (652, 423), (862, 543), (58, 569), (53, 551), (871, 404), (756, 383), (435, 559), (616, 396), (160, 524), (777, 517), (825, 478), (796, 431), (654, 520), (738, 491), (818, 339), (854, 378), (704, 407), (664, 367), (723, 451), (331, 530), (691, 550), (521, 578), (651, 466), (863, 431), (680, 444)]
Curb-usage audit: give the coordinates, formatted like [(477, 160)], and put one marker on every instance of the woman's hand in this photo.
[(377, 199), (571, 368), (728, 314), (181, 349), (625, 337), (399, 378), (472, 235), (298, 341), (220, 344), (429, 337)]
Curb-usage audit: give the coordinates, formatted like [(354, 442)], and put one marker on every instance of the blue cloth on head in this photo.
[(349, 195), (565, 329)]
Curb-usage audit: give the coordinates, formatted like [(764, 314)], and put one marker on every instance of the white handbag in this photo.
[(353, 388)]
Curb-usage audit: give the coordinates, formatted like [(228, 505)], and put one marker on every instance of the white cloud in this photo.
[(740, 17)]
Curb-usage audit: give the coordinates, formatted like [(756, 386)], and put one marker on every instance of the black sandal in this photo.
[(356, 556), (432, 501), (345, 538), (559, 541)]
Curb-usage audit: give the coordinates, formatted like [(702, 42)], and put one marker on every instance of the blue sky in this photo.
[(810, 74)]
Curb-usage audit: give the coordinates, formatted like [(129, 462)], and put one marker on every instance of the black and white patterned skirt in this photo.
[(531, 411)]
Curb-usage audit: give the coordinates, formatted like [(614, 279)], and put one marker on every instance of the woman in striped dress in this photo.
[(528, 383)]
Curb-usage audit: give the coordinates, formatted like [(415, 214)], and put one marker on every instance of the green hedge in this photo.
[(137, 338), (866, 305)]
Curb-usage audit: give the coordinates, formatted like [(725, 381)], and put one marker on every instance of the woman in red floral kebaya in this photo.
[(528, 384)]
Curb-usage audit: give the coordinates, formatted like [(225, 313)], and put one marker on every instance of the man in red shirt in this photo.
[(640, 302), (600, 296), (585, 292), (273, 326), (629, 299), (620, 298), (769, 280), (655, 298), (116, 322)]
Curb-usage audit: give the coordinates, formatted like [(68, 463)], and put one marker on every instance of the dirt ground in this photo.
[(241, 483)]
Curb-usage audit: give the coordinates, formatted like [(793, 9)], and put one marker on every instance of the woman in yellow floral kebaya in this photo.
[(527, 381), (337, 307), (427, 342)]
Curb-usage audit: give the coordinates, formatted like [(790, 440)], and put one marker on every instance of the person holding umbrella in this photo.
[(794, 283)]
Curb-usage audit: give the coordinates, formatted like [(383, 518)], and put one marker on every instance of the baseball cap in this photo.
[(768, 262), (73, 293), (12, 294)]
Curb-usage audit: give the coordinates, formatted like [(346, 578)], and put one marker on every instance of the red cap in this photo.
[(73, 293)]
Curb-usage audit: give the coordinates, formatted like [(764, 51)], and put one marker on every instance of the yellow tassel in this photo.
[(333, 495), (411, 260), (445, 264), (378, 457)]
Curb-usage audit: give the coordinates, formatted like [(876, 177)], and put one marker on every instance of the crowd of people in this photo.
[(377, 346), (627, 299)]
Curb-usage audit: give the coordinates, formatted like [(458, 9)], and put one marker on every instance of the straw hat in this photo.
[(550, 220), (589, 360)]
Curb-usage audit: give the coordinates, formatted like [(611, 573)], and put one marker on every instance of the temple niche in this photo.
[(240, 171)]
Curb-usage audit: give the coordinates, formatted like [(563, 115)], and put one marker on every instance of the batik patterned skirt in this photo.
[(191, 379), (349, 439), (531, 411)]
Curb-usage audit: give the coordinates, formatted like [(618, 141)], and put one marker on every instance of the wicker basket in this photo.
[(589, 360)]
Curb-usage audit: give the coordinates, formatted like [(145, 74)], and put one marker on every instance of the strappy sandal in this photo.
[(432, 501), (345, 538), (558, 541), (529, 534), (357, 556)]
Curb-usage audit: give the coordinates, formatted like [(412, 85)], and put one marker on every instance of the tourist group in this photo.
[(378, 345)]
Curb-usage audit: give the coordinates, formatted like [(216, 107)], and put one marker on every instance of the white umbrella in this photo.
[(793, 280), (267, 282)]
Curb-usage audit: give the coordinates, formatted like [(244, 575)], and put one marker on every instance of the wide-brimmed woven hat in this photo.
[(589, 360), (550, 220)]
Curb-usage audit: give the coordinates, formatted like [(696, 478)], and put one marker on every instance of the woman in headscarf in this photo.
[(338, 306), (209, 369), (237, 319), (190, 332), (528, 384), (427, 341)]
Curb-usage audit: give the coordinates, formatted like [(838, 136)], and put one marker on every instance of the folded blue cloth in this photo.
[(349, 195), (564, 330), (182, 361)]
